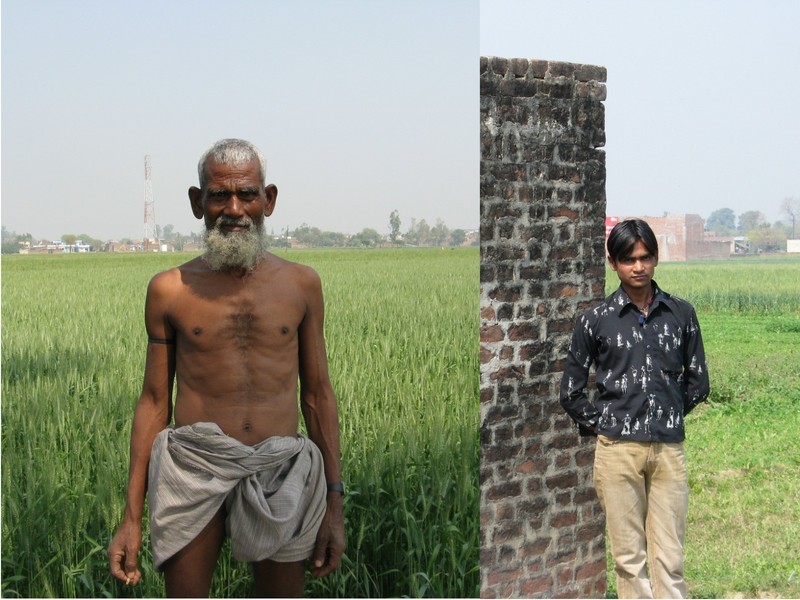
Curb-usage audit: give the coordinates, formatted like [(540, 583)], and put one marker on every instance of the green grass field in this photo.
[(742, 446), (401, 330)]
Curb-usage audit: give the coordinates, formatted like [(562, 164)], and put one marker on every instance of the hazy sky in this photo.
[(703, 108), (360, 107), (364, 107)]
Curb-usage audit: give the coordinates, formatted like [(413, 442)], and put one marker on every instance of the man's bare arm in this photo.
[(320, 412), (153, 413)]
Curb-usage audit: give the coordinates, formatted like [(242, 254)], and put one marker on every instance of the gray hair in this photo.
[(231, 151)]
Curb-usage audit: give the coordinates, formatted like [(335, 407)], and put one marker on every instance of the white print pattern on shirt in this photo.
[(605, 421), (622, 384), (636, 346)]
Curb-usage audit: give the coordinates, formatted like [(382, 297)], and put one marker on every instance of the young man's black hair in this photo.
[(624, 237)]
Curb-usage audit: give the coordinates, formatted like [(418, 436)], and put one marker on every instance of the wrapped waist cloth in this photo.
[(274, 492)]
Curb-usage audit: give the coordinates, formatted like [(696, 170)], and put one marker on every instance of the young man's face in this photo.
[(635, 270)]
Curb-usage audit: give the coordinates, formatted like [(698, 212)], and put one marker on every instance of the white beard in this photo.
[(239, 250)]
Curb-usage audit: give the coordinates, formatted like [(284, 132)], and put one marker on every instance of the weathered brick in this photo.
[(523, 331), (492, 333), (537, 585), (542, 187), (503, 491), (504, 575), (564, 519), (488, 313)]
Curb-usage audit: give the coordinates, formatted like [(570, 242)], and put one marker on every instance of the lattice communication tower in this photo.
[(149, 207)]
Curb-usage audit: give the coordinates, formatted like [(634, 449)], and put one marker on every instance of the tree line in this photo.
[(753, 225), (419, 233)]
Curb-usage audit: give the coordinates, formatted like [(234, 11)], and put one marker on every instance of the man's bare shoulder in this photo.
[(172, 279), (300, 273)]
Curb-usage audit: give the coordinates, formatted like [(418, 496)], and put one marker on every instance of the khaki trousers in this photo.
[(644, 491)]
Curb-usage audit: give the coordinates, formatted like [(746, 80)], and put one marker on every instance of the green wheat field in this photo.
[(401, 331)]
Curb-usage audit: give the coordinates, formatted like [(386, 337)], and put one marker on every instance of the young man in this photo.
[(236, 327), (650, 372)]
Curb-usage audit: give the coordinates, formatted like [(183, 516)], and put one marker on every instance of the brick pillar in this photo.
[(542, 263)]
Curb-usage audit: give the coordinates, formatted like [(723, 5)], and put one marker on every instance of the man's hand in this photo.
[(123, 552), (330, 543)]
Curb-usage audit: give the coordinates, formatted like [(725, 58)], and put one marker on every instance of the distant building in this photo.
[(681, 238), (792, 246), (190, 246), (739, 244), (59, 247)]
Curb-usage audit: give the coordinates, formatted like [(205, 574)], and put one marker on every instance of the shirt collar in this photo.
[(621, 298)]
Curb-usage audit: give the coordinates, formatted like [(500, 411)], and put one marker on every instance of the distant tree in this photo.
[(767, 238), (722, 221), (419, 233), (69, 238), (458, 237), (333, 239), (394, 226), (750, 220), (178, 240), (168, 233), (785, 227), (790, 208), (424, 233), (366, 237), (307, 235), (315, 237), (439, 233), (91, 241), (8, 242)]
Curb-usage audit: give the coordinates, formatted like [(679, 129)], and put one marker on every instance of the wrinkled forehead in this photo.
[(237, 174)]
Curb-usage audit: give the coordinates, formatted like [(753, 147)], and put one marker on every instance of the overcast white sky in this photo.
[(360, 107), (702, 110)]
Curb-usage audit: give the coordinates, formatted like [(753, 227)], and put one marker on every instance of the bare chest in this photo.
[(240, 321)]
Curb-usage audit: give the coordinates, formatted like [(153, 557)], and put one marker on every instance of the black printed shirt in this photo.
[(649, 371)]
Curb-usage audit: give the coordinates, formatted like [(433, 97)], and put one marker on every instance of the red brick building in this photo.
[(680, 237)]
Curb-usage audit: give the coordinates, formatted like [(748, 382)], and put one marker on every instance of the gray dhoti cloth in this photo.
[(274, 492)]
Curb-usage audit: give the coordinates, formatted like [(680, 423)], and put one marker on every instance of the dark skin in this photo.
[(242, 341), (635, 271)]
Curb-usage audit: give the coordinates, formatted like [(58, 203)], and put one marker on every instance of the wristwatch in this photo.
[(336, 487)]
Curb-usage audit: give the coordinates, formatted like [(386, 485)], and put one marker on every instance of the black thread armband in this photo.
[(336, 487)]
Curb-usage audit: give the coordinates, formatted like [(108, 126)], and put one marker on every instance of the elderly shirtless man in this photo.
[(238, 327)]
